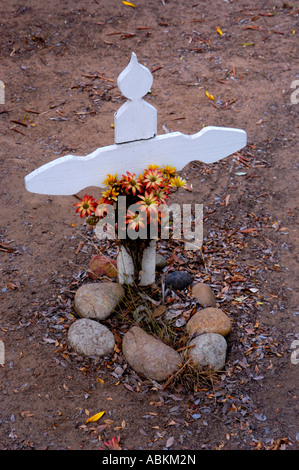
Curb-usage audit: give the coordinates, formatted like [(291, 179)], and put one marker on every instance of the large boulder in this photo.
[(149, 356)]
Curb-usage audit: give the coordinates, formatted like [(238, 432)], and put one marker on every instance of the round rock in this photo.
[(98, 300), (209, 320), (209, 351), (178, 280), (148, 355), (160, 261), (90, 338), (204, 294)]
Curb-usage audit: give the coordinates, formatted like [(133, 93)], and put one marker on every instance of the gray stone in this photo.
[(178, 280), (98, 300), (209, 351), (148, 355), (90, 338), (204, 294), (160, 261)]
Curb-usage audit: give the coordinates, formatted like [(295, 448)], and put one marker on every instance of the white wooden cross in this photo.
[(137, 145)]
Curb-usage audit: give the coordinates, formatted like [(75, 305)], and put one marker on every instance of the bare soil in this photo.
[(59, 64)]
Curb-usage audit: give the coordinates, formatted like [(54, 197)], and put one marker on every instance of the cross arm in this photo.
[(70, 174)]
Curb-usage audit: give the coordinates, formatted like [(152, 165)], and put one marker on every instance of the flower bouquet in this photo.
[(138, 207)]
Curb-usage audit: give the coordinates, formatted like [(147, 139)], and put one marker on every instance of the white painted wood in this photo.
[(136, 119), (135, 80), (125, 266), (70, 174), (148, 267)]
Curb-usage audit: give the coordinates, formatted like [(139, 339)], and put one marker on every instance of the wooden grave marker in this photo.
[(137, 146)]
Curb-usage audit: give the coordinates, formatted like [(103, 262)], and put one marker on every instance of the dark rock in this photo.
[(178, 280)]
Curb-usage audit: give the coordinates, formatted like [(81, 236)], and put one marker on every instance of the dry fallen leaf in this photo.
[(158, 311), (211, 97), (129, 4), (95, 417), (169, 442), (219, 31)]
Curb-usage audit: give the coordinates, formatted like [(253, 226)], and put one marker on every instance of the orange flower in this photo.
[(149, 202), (131, 183), (169, 172), (161, 195), (135, 220), (153, 179), (86, 206), (153, 167), (113, 444), (102, 208)]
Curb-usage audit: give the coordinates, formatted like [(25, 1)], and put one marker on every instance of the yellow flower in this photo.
[(110, 195), (169, 171), (178, 182), (110, 180), (153, 167)]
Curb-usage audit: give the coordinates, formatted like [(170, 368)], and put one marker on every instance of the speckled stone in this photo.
[(148, 355), (209, 351), (160, 261), (98, 300), (90, 338)]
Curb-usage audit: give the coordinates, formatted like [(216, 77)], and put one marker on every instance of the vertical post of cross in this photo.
[(135, 120)]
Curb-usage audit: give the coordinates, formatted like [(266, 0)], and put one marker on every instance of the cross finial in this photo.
[(136, 119)]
